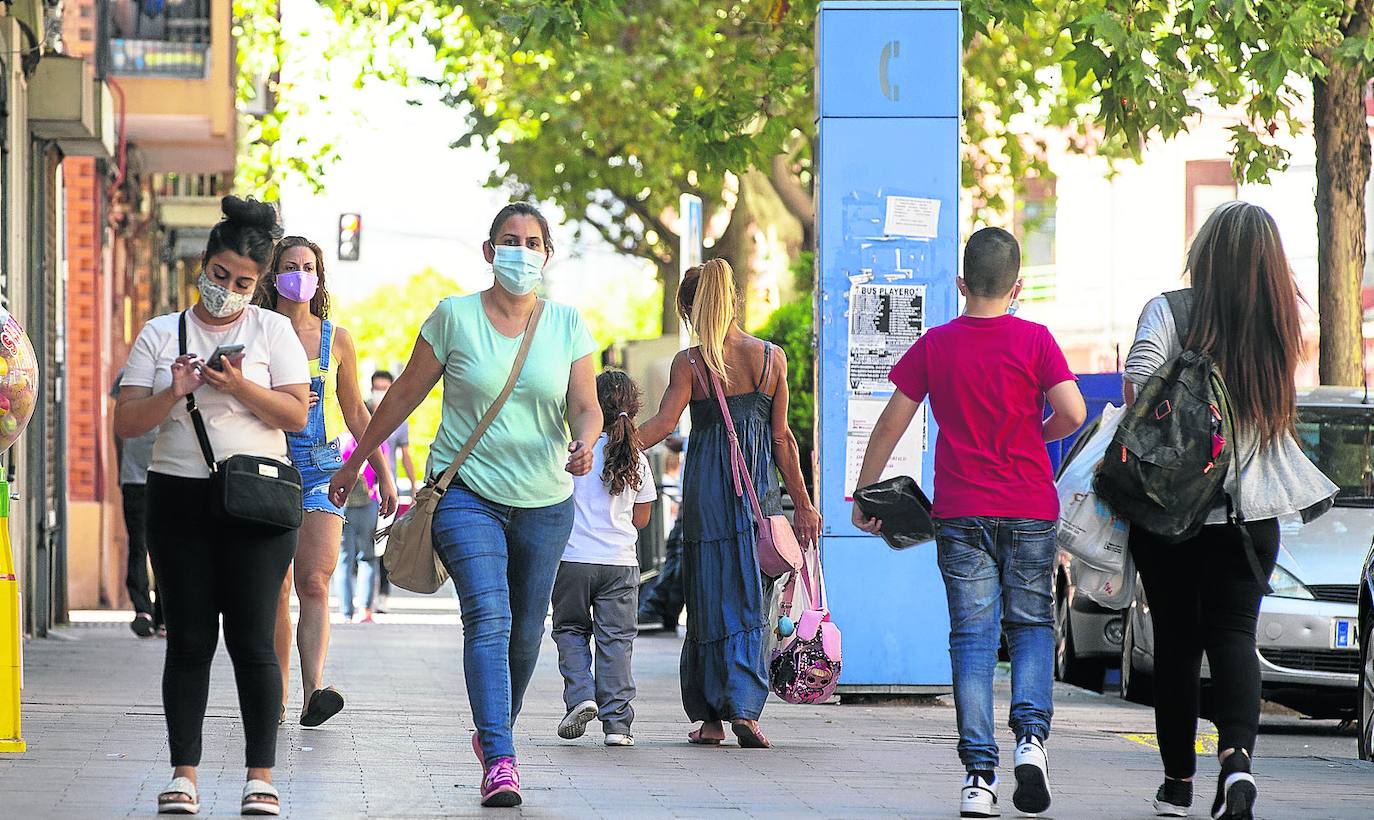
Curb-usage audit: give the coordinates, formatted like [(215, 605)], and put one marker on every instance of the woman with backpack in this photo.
[(1205, 591)]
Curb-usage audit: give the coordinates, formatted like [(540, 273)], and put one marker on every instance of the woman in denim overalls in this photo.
[(295, 288)]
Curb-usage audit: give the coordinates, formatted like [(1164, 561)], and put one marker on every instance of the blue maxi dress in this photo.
[(724, 673)]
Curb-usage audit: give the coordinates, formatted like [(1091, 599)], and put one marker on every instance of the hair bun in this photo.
[(251, 213)]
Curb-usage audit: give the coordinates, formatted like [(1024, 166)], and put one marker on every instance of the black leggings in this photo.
[(1204, 596), (207, 568)]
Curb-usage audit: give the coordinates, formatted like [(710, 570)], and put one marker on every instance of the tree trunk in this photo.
[(671, 278), (796, 197), (761, 241), (1343, 164)]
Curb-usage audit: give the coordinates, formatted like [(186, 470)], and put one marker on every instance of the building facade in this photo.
[(117, 137)]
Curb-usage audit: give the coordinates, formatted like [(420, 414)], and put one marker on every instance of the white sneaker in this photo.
[(574, 723), (1032, 795), (978, 797), (615, 739)]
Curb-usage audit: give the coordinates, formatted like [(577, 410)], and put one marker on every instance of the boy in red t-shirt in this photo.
[(988, 375)]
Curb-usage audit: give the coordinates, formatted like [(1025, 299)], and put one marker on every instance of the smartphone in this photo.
[(221, 352)]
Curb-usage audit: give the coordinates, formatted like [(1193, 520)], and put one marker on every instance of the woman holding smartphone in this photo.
[(231, 570), (295, 288)]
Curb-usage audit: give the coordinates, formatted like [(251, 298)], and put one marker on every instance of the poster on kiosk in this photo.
[(888, 240)]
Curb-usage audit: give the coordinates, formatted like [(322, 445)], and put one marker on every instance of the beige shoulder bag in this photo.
[(410, 559)]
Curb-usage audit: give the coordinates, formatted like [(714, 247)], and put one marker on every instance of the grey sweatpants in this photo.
[(597, 600)]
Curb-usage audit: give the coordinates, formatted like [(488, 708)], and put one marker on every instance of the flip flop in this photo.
[(324, 704), (180, 797), (696, 739), (749, 736), (260, 798)]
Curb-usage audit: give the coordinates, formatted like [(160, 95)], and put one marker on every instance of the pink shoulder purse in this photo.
[(778, 550)]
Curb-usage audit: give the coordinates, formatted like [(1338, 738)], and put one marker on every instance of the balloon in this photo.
[(18, 380)]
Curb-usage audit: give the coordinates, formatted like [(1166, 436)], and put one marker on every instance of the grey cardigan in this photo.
[(1278, 480)]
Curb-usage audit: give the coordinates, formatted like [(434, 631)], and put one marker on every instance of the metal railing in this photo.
[(192, 185), (158, 38)]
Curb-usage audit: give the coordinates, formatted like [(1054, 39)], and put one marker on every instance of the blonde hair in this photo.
[(706, 301)]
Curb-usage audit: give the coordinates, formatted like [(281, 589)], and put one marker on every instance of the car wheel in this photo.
[(1068, 667), (1367, 693), (1135, 684)]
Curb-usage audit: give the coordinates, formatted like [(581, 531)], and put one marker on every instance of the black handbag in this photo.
[(902, 507), (246, 489)]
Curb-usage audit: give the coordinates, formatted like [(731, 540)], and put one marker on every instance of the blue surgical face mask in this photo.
[(518, 269)]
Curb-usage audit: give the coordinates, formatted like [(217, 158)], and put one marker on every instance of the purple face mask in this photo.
[(297, 285)]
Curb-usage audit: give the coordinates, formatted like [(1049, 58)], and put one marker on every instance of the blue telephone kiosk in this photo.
[(887, 257)]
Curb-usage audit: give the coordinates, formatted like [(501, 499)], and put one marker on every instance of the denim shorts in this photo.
[(317, 464)]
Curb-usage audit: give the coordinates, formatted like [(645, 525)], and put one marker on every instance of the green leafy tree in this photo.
[(384, 325), (1152, 60)]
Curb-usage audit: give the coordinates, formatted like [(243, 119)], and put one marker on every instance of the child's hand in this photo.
[(580, 458), (871, 526)]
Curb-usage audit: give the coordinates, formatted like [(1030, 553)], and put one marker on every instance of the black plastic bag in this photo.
[(902, 507)]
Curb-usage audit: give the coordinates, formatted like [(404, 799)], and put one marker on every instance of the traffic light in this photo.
[(350, 236)]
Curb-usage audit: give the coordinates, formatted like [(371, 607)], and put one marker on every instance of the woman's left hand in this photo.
[(806, 522), (387, 497), (228, 380), (580, 458)]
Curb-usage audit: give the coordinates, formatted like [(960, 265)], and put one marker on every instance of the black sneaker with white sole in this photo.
[(1174, 798), (1032, 795), (1236, 790), (978, 798)]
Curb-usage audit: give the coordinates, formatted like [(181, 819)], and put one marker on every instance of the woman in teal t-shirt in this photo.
[(501, 527)]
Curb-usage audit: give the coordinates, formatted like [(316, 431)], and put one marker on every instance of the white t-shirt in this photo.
[(273, 357), (603, 525)]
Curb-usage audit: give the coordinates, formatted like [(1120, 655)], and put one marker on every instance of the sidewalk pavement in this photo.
[(98, 748)]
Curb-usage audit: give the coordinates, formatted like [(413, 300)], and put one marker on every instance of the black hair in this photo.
[(520, 209), (383, 374), (992, 262), (249, 229)]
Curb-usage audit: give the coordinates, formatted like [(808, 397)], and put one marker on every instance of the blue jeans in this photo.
[(998, 578), (503, 561), (359, 556)]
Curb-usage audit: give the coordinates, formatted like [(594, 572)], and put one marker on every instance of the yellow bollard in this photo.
[(11, 642)]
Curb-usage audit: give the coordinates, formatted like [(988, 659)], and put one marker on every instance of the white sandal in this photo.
[(180, 797), (253, 804)]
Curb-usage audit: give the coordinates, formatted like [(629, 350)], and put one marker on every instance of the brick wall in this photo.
[(86, 382)]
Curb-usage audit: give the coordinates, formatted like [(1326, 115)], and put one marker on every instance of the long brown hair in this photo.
[(1245, 314), (620, 400), (267, 286), (706, 301)]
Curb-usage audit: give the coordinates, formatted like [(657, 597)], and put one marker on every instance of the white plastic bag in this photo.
[(1088, 530), (1107, 588)]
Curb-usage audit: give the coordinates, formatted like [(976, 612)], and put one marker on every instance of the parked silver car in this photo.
[(1308, 627), (1087, 636)]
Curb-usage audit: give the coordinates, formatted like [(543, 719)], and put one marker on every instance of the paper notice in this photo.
[(906, 458), (884, 322), (912, 216)]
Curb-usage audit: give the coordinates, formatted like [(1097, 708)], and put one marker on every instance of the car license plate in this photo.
[(1343, 633)]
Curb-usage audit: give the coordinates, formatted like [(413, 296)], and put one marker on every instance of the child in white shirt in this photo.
[(597, 590)]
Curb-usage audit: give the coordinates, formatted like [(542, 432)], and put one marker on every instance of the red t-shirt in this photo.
[(987, 379)]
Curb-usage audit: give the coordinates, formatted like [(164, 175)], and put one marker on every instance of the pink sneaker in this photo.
[(477, 750), (501, 787)]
